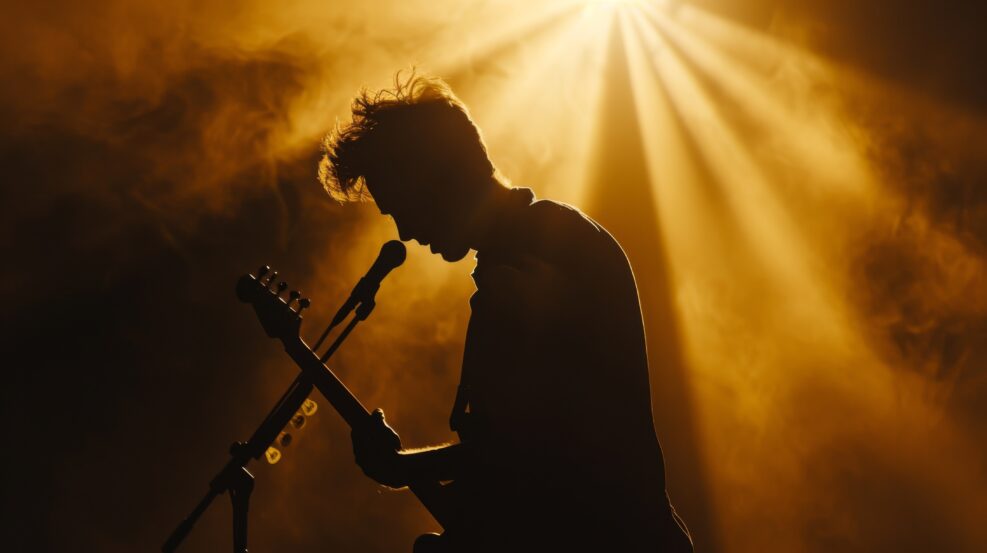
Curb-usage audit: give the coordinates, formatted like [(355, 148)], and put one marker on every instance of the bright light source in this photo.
[(625, 3), (594, 6), (613, 6)]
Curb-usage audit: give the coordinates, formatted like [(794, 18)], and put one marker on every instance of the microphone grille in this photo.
[(393, 253)]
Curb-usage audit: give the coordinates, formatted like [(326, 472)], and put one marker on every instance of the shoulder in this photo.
[(563, 234), (548, 243), (552, 232), (561, 220)]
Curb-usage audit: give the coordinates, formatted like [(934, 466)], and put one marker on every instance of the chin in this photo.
[(453, 255)]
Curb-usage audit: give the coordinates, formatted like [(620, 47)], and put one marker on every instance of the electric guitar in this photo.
[(281, 318)]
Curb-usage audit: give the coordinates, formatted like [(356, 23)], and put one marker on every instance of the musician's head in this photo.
[(415, 151)]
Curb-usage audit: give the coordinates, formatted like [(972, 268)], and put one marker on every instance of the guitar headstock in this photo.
[(279, 314)]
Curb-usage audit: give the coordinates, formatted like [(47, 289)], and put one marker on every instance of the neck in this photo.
[(493, 207)]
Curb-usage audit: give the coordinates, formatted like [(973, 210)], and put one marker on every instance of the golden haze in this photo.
[(806, 231)]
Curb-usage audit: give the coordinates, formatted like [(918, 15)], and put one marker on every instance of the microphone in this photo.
[(392, 255)]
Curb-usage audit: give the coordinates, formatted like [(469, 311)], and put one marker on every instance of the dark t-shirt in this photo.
[(555, 381)]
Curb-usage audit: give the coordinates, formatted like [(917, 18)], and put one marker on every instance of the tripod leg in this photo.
[(240, 490)]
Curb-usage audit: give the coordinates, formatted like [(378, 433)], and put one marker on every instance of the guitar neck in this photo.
[(355, 414), (280, 320), (341, 398)]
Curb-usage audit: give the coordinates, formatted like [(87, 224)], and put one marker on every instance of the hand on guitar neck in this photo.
[(376, 447)]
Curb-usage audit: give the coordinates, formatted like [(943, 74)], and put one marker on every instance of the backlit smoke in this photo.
[(812, 253)]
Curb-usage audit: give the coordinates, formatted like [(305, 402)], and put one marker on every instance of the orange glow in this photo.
[(814, 277)]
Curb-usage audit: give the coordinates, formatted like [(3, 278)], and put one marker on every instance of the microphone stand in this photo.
[(234, 478)]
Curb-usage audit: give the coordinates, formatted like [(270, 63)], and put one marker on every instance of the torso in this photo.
[(559, 395)]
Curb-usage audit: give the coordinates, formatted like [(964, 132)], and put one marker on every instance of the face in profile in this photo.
[(423, 213)]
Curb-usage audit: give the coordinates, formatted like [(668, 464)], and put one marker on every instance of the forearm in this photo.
[(438, 463)]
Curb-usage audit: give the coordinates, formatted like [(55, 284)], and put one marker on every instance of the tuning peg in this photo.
[(303, 304), (292, 296), (273, 455), (282, 286), (262, 271), (271, 279), (298, 421)]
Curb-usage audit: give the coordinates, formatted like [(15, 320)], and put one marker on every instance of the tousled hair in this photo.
[(418, 125)]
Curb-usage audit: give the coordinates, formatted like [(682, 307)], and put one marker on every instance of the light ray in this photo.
[(788, 347), (622, 199), (448, 46), (678, 181), (778, 242), (548, 102), (774, 94), (518, 90), (487, 34)]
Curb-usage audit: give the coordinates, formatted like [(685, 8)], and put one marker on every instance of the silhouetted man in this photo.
[(557, 448)]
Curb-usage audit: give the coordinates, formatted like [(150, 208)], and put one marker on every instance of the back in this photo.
[(556, 370)]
